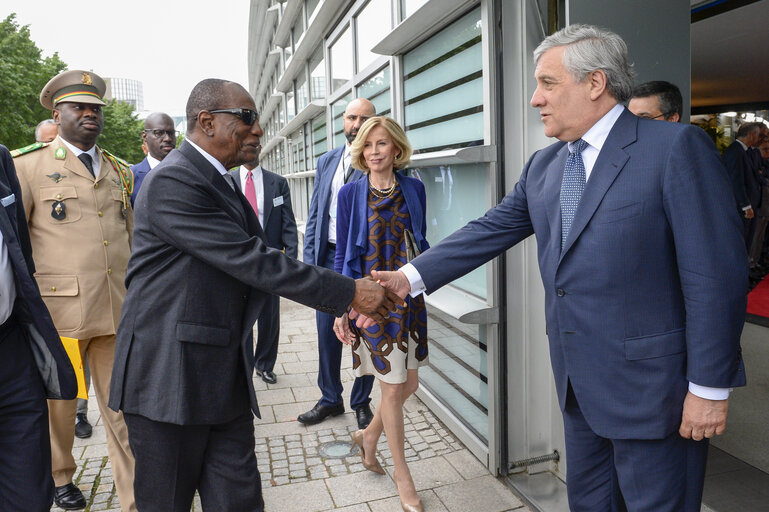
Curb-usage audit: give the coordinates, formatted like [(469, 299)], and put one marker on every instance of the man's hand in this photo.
[(702, 417), (361, 321), (749, 213), (395, 281), (374, 301)]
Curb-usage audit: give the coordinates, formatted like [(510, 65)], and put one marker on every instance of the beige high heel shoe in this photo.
[(412, 508), (357, 439)]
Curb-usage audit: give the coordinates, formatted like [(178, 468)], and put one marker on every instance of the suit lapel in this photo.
[(610, 162), (553, 179), (269, 194)]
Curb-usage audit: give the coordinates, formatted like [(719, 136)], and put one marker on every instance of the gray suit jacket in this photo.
[(278, 220), (198, 278)]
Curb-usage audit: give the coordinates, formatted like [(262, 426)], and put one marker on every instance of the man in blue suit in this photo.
[(645, 278), (28, 341), (159, 135), (334, 170)]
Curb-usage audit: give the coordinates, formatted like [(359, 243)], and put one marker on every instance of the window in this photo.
[(341, 63), (317, 76), (372, 24), (302, 96), (290, 106), (337, 112), (309, 8), (408, 7), (443, 88), (377, 90), (318, 139)]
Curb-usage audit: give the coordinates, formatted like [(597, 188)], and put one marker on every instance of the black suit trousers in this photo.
[(268, 332), (173, 461), (26, 484)]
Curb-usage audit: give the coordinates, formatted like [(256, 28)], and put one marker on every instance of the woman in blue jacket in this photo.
[(373, 217)]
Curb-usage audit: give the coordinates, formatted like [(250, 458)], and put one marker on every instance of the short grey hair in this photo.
[(590, 48), (40, 124)]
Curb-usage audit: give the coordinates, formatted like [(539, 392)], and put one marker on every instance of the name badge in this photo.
[(9, 200), (277, 201)]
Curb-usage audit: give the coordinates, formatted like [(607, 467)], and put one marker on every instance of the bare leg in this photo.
[(374, 430), (391, 414)]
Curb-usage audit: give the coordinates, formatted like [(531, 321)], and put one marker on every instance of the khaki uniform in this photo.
[(81, 242)]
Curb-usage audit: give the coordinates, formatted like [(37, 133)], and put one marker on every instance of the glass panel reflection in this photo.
[(337, 111), (377, 90), (341, 60), (372, 24)]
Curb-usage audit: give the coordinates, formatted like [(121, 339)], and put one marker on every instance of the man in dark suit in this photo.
[(198, 278), (159, 135), (657, 100), (28, 341), (334, 170), (742, 174), (644, 274), (269, 196)]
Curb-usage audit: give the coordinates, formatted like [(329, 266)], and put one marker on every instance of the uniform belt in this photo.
[(8, 327)]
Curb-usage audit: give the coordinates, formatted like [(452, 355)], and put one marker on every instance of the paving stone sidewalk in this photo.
[(295, 474)]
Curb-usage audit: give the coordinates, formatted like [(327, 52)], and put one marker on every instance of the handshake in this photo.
[(378, 295)]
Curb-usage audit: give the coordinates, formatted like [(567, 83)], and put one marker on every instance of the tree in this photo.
[(23, 73), (122, 134)]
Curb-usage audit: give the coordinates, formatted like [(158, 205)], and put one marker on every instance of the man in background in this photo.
[(26, 484), (745, 183), (270, 198), (46, 130), (80, 222), (334, 170), (657, 100), (159, 136)]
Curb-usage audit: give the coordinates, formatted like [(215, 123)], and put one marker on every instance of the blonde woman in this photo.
[(373, 216)]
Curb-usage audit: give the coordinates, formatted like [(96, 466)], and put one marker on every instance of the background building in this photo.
[(126, 90), (458, 75)]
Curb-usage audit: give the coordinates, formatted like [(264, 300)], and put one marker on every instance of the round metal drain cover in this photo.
[(337, 450)]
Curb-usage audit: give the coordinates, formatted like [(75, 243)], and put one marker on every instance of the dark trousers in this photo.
[(620, 475), (330, 361), (267, 334), (173, 461), (26, 484)]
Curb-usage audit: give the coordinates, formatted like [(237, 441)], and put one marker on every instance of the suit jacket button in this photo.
[(560, 292)]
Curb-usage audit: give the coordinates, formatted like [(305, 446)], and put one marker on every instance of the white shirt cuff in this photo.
[(415, 280), (709, 393), (746, 208)]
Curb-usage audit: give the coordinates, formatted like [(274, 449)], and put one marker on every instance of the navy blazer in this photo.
[(140, 170), (29, 310), (352, 221), (649, 291), (316, 229), (277, 221)]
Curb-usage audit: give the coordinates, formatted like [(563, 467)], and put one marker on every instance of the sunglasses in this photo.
[(246, 115)]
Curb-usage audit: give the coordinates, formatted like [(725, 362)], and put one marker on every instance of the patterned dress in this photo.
[(388, 350)]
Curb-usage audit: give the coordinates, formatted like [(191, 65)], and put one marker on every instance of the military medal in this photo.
[(59, 210)]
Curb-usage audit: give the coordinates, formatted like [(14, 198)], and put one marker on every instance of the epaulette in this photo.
[(123, 170), (28, 149)]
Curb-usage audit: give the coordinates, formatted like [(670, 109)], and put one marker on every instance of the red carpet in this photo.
[(758, 303)]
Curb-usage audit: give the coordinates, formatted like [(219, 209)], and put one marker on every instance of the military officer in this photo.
[(77, 200)]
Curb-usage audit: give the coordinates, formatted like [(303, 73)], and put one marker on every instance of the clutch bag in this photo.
[(412, 248)]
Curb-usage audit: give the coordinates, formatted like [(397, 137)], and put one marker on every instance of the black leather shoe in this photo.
[(267, 376), (320, 413), (83, 429), (69, 497), (364, 416)]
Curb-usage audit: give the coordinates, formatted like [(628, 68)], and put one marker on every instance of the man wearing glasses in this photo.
[(657, 100), (199, 276), (160, 137), (334, 170)]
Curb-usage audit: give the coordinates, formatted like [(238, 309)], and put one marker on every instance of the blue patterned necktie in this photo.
[(572, 186)]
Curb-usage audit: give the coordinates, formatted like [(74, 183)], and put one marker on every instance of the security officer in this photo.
[(76, 198)]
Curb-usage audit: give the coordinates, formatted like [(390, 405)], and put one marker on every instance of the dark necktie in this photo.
[(348, 173), (572, 186), (86, 159)]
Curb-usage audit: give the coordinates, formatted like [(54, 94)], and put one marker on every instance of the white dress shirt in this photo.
[(595, 138), (336, 184), (152, 161), (7, 282), (258, 178), (213, 161), (91, 152)]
